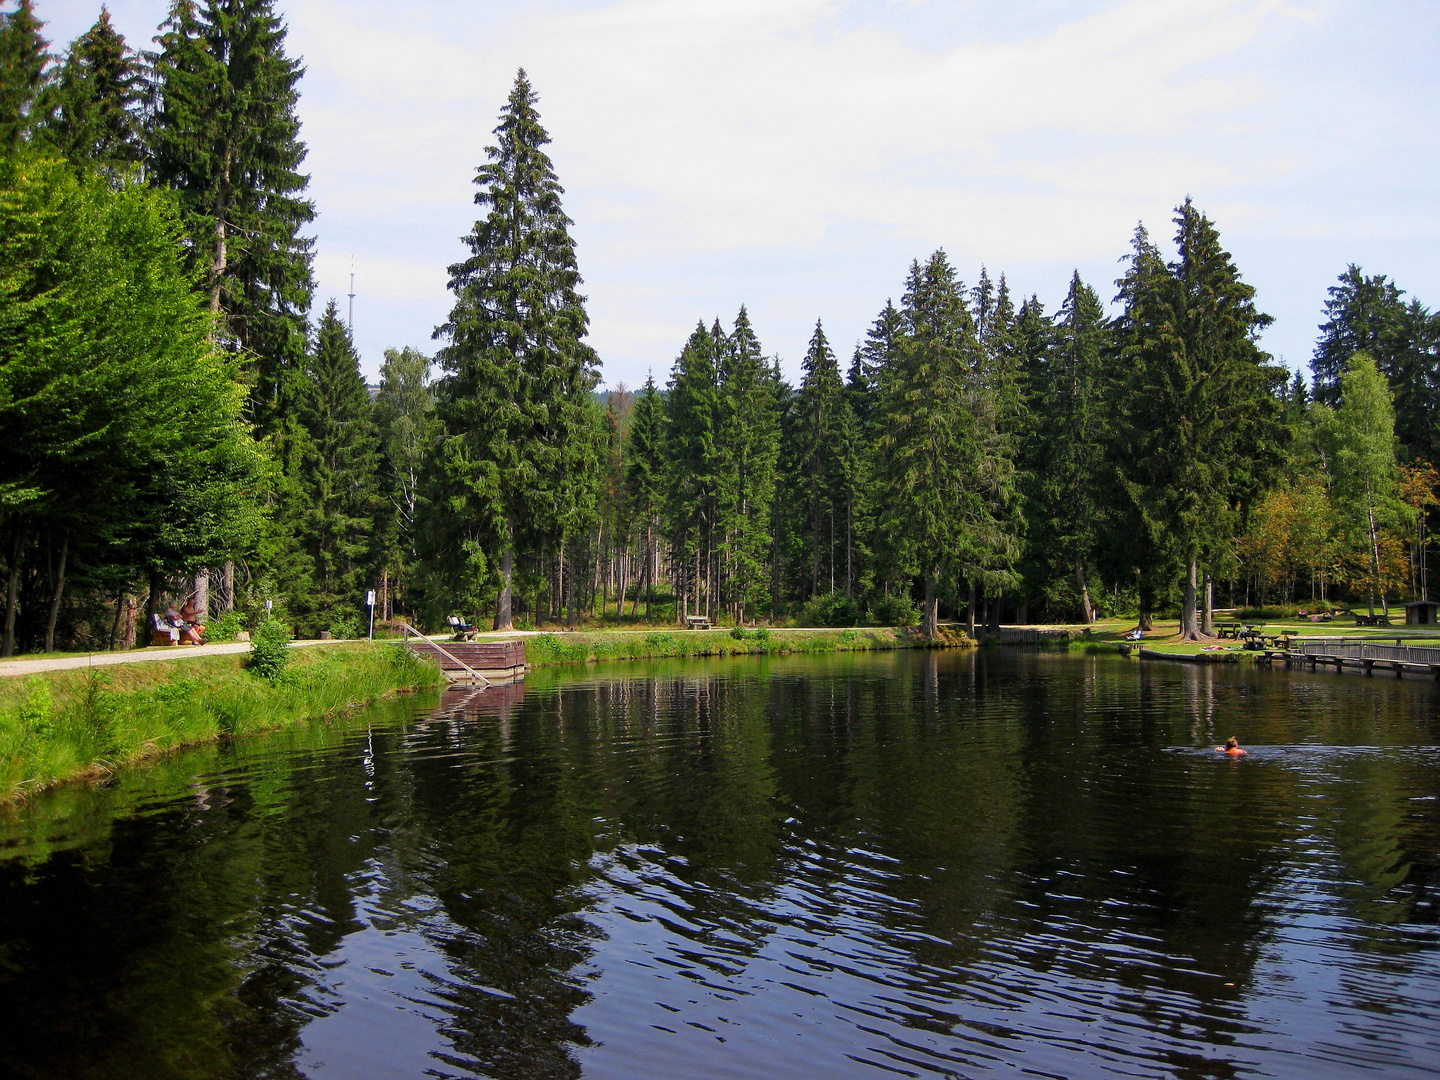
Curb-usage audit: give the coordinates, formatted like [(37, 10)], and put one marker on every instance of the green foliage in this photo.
[(92, 115), (224, 626), (37, 711), (270, 650), (831, 609), (518, 466), (347, 627), (894, 611), (224, 136), (23, 58)]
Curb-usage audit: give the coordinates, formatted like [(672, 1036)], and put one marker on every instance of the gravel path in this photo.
[(105, 659)]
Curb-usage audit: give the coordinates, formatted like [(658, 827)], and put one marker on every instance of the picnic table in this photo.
[(1372, 620), (698, 622), (1227, 629)]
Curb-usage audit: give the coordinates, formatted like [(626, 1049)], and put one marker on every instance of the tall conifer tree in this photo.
[(339, 471), (520, 460), (693, 462), (225, 136), (819, 425), (945, 463), (644, 477), (23, 62), (1201, 426), (95, 100)]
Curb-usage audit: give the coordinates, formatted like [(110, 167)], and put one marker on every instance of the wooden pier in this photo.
[(483, 663), (1359, 654)]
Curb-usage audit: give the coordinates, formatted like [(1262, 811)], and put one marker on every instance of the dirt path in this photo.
[(106, 659)]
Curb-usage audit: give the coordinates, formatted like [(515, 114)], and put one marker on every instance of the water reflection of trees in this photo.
[(953, 812)]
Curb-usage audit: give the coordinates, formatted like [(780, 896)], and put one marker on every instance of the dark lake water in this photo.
[(996, 863)]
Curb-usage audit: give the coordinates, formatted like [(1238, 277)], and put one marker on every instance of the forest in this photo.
[(179, 420)]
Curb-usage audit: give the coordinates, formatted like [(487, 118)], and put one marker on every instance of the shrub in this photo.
[(832, 609), (37, 711), (345, 627), (270, 650), (224, 626), (894, 611)]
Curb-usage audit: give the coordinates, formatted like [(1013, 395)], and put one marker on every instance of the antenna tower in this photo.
[(352, 295)]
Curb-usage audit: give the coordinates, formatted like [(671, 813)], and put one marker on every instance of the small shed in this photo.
[(1422, 613)]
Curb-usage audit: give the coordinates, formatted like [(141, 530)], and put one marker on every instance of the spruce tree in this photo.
[(95, 100), (1067, 456), (945, 463), (644, 476), (1369, 314), (816, 455), (520, 461), (749, 449), (693, 463), (339, 470), (23, 63), (225, 137), (1200, 429)]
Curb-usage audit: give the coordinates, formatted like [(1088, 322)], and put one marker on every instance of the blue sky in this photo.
[(796, 155)]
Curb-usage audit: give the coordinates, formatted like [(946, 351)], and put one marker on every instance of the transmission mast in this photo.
[(352, 296)]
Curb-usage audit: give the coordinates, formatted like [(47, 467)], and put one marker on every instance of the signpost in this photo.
[(370, 603)]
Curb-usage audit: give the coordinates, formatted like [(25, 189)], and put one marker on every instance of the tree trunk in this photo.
[(12, 596), (503, 620), (1374, 553), (127, 623), (59, 592), (1189, 626), (970, 613), (1207, 615), (115, 625), (1084, 588), (992, 611), (929, 620), (649, 568), (201, 587), (227, 588)]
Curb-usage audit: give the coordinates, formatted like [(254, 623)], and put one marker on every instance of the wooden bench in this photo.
[(698, 622), (1372, 620), (161, 632), (1227, 629), (463, 630)]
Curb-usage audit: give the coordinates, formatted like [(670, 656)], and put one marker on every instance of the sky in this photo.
[(795, 156)]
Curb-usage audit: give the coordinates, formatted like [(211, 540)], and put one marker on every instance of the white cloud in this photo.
[(796, 154)]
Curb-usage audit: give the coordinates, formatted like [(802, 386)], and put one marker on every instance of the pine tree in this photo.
[(23, 63), (224, 135), (815, 456), (693, 463), (1201, 433), (644, 476), (749, 448), (1068, 428), (945, 464), (1370, 315), (520, 460), (95, 98), (339, 472)]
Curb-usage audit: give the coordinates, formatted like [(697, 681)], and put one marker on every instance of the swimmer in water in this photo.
[(1231, 747)]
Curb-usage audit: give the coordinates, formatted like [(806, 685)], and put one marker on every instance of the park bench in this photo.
[(698, 622), (463, 630), (1372, 620), (162, 633)]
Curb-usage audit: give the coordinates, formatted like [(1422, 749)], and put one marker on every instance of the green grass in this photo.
[(75, 724), (578, 648)]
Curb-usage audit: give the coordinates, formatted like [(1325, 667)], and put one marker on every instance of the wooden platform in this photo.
[(497, 662), (1362, 656)]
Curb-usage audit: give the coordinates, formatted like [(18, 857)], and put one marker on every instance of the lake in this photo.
[(956, 864)]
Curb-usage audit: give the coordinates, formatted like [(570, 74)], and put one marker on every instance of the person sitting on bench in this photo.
[(178, 621), (191, 614)]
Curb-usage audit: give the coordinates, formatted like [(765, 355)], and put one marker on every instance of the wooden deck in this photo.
[(1366, 656), (496, 662)]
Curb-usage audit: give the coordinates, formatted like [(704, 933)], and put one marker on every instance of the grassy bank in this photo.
[(579, 648), (74, 724)]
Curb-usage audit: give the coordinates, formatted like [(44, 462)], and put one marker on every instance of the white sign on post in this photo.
[(370, 603)]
